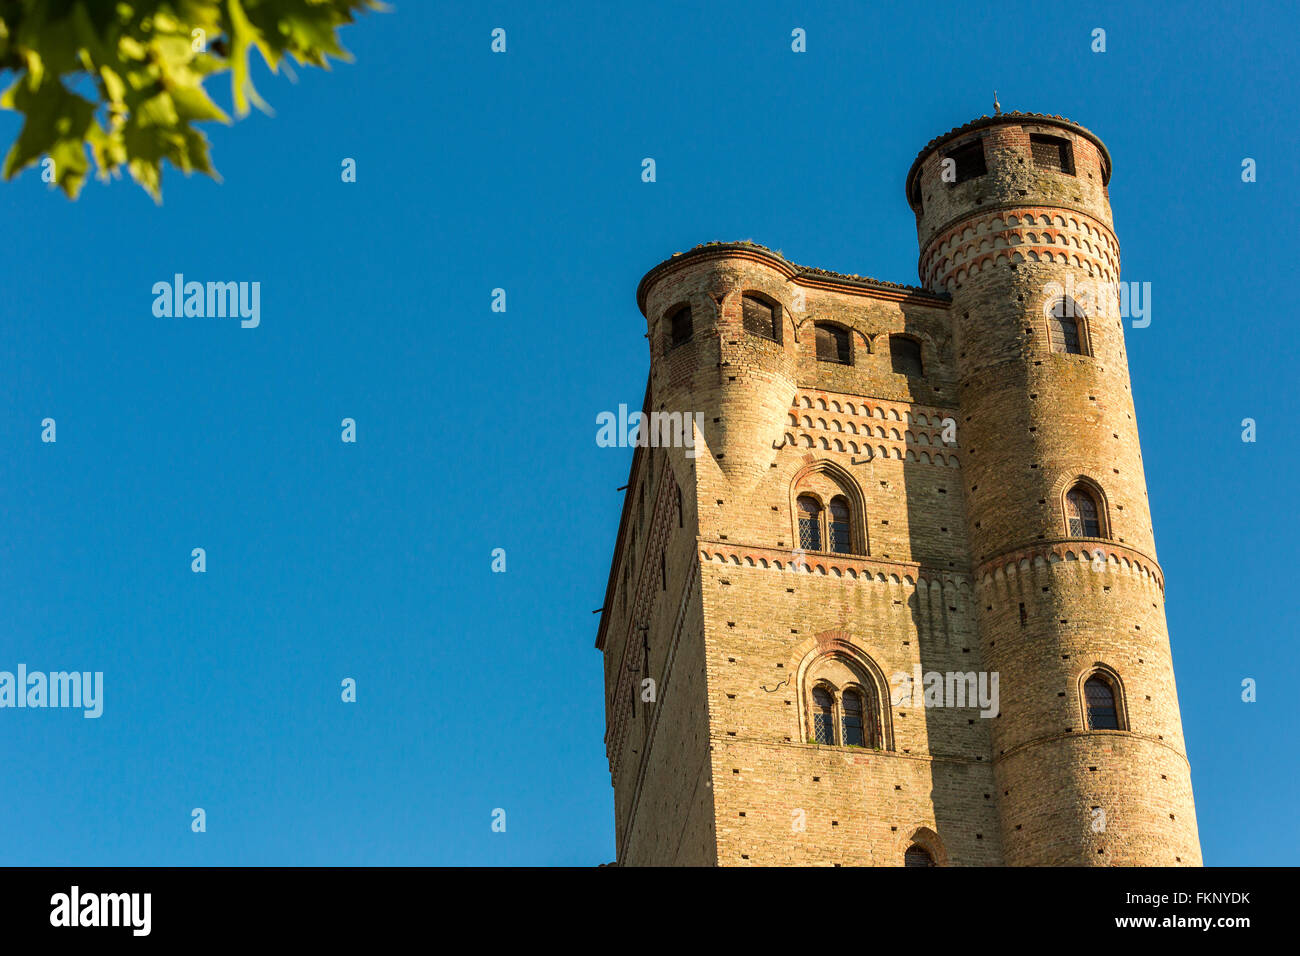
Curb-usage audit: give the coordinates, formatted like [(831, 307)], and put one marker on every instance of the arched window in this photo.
[(761, 317), (841, 694), (905, 355), (1082, 515), (827, 510), (1065, 327), (810, 523), (680, 326), (823, 716), (1099, 697), (840, 536), (917, 856), (854, 735), (833, 344)]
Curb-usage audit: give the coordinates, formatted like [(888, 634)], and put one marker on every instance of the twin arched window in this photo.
[(825, 529), (1065, 327), (849, 721)]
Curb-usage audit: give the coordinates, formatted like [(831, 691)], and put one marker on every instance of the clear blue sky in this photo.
[(476, 431)]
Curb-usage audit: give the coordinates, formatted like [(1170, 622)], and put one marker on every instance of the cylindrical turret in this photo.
[(1014, 223), (698, 307)]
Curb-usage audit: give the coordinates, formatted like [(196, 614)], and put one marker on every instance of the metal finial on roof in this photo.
[(997, 107)]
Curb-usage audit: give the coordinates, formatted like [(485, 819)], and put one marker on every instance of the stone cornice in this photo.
[(804, 275)]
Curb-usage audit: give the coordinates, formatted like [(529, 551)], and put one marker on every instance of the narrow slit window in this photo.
[(680, 326)]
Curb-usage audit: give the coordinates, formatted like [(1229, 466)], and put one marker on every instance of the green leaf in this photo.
[(243, 37), (53, 115), (139, 57), (193, 104)]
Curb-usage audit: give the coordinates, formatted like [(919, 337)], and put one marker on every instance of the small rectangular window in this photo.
[(833, 345), (680, 327), (905, 356), (760, 318), (1051, 152), (969, 160)]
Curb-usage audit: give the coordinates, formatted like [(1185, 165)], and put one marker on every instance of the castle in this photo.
[(903, 606)]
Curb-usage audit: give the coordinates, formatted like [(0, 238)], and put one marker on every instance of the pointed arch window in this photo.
[(917, 856), (1065, 327), (1082, 514), (1099, 698), (680, 326), (823, 716), (810, 523), (843, 714), (827, 512)]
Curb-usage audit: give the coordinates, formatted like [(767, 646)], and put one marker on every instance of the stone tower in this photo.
[(891, 596)]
